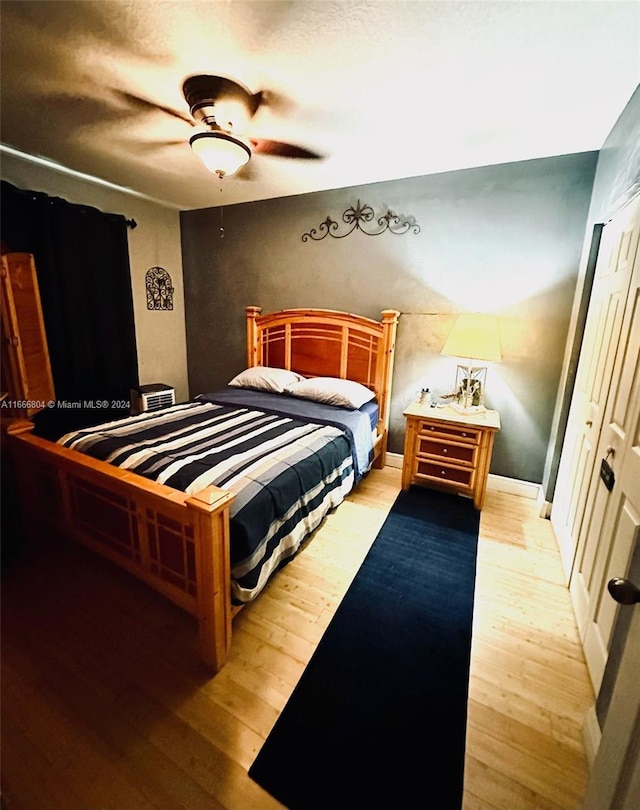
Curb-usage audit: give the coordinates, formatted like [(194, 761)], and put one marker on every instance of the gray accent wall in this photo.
[(503, 239)]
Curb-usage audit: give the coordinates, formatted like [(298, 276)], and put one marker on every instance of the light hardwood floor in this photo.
[(106, 707)]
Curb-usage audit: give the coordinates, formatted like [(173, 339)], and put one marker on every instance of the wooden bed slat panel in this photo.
[(328, 343)]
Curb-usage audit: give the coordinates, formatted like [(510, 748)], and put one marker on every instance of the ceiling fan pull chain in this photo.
[(221, 215)]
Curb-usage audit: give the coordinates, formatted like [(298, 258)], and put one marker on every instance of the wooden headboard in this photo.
[(328, 343)]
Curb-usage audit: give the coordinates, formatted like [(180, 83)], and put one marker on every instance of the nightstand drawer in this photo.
[(439, 472), (459, 453), (444, 431)]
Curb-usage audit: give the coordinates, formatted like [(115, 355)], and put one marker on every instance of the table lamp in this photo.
[(473, 337)]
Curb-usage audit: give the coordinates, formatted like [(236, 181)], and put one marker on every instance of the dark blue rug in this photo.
[(378, 717)]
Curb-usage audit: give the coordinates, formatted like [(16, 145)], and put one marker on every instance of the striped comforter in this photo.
[(286, 473)]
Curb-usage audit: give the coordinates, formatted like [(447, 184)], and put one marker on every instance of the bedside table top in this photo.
[(487, 418)]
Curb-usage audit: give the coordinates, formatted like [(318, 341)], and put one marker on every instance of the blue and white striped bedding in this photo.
[(285, 471)]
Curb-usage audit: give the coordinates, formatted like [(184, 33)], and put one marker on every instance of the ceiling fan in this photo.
[(224, 108)]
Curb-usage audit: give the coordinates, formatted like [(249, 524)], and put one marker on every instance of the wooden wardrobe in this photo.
[(26, 379)]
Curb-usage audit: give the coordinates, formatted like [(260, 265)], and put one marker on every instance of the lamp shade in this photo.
[(474, 337), (222, 153)]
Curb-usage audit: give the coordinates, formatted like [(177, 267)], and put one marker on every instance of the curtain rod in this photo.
[(131, 223)]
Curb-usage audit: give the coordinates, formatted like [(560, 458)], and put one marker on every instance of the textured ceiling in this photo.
[(382, 89)]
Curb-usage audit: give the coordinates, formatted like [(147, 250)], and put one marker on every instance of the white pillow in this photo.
[(265, 378), (332, 391)]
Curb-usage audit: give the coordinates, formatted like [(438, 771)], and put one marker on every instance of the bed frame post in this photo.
[(21, 470), (252, 314), (389, 329), (213, 574)]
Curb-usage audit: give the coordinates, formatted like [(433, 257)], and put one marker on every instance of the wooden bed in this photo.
[(177, 543)]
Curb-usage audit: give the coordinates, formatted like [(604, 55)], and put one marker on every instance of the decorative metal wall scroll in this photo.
[(356, 217), (159, 288)]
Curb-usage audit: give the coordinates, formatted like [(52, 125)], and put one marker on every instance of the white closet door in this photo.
[(593, 380), (611, 526)]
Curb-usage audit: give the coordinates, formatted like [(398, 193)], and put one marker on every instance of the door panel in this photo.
[(615, 552), (614, 781), (629, 377), (611, 523), (571, 490), (593, 380)]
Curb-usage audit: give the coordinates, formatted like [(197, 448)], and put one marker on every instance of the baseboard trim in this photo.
[(591, 735), (497, 483), (513, 486), (394, 460), (545, 507)]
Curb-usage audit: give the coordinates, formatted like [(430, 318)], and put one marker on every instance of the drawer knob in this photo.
[(444, 449), (463, 433), (442, 472)]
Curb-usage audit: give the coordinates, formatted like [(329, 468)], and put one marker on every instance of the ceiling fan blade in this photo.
[(157, 144), (263, 146), (277, 102), (256, 100), (246, 172), (148, 106)]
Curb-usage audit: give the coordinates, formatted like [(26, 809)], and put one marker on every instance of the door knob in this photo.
[(624, 591)]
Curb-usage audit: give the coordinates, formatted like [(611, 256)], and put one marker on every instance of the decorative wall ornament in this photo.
[(159, 288), (356, 217)]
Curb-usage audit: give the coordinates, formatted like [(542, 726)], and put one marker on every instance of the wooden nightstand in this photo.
[(449, 450)]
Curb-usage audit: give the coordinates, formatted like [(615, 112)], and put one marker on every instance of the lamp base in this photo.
[(469, 409)]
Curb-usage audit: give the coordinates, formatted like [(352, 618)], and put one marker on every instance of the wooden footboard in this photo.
[(177, 544)]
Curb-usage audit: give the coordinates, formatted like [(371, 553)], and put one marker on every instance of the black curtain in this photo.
[(82, 261)]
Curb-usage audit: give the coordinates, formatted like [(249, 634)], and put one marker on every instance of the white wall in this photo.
[(160, 335)]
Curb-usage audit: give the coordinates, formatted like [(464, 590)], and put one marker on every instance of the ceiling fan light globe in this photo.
[(222, 153)]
